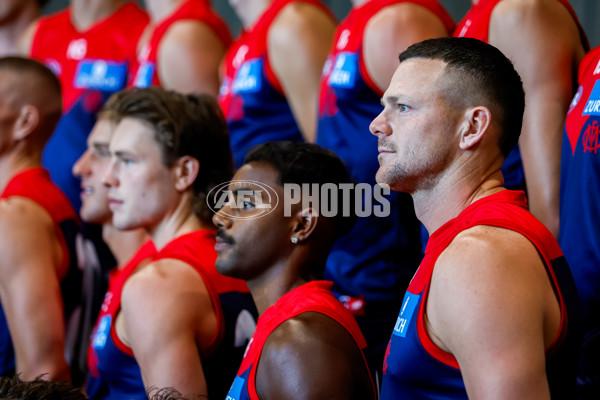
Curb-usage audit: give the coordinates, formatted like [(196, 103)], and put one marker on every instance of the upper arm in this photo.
[(167, 316), (390, 32), (188, 58), (311, 357), (30, 288), (543, 42), (487, 306), (26, 39), (298, 43)]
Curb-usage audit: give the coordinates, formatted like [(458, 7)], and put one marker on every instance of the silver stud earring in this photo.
[(295, 240)]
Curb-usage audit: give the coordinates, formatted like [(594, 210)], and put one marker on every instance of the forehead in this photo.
[(416, 75), (133, 134), (258, 172), (101, 132)]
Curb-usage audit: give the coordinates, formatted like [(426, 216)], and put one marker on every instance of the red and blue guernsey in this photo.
[(35, 184), (415, 368), (98, 58), (476, 24), (96, 387), (379, 256), (580, 194), (115, 366), (145, 73), (251, 96), (314, 296), (91, 65)]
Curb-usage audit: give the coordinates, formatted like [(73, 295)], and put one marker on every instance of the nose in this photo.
[(221, 219), (81, 166), (110, 177), (379, 126)]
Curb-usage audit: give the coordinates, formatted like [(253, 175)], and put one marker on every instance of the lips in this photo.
[(223, 240), (113, 203)]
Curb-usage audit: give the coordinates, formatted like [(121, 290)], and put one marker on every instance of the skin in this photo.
[(167, 297), (297, 44), (33, 261), (543, 41), (189, 53), (90, 168), (497, 360), (335, 368), (15, 17), (390, 32)]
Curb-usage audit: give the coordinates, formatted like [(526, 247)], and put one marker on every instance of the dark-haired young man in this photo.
[(307, 345), (179, 323), (39, 279), (492, 311)]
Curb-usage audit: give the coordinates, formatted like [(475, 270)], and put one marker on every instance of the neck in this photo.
[(283, 276), (123, 244), (176, 223), (86, 13), (454, 192), (10, 32), (160, 9), (17, 161)]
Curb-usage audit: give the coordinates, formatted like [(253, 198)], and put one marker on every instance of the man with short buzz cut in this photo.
[(492, 311), (39, 279), (307, 345)]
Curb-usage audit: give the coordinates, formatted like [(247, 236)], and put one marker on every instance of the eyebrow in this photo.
[(100, 145), (389, 100), (122, 153)]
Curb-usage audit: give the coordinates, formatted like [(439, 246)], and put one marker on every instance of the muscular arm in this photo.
[(491, 305), (312, 357), (298, 44), (30, 289), (390, 32), (167, 319), (188, 58), (543, 42)]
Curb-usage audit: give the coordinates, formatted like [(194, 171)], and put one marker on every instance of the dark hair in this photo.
[(184, 125), (38, 86), (167, 393), (13, 388), (300, 163), (477, 73)]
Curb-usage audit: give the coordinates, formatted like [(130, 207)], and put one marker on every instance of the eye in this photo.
[(125, 161), (247, 205), (403, 107)]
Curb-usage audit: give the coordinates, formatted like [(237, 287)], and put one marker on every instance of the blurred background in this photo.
[(588, 12)]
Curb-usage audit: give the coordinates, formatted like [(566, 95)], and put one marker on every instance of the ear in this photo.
[(305, 221), (27, 121), (186, 171), (475, 124)]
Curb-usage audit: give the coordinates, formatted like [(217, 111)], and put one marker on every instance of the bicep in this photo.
[(487, 310), (31, 296), (390, 32), (188, 58), (168, 308), (297, 50)]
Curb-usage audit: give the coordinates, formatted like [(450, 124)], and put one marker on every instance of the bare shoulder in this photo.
[(547, 18), (188, 31), (26, 40), (24, 225), (317, 349), (300, 18)]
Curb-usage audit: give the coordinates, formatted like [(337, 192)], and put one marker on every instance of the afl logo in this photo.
[(255, 197)]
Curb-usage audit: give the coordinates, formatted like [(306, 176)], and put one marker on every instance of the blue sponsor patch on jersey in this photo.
[(409, 304), (101, 333), (592, 107), (343, 74), (101, 75), (143, 77), (248, 78), (235, 393)]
